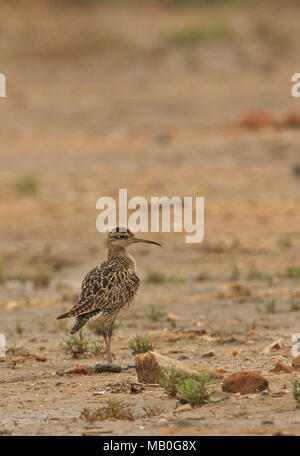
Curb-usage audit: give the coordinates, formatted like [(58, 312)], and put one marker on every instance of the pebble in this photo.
[(183, 357), (208, 354), (41, 357), (245, 382), (129, 366), (280, 367), (296, 362), (60, 372), (277, 345), (83, 369), (296, 170), (172, 317)]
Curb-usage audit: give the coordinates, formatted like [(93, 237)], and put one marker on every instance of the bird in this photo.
[(109, 287)]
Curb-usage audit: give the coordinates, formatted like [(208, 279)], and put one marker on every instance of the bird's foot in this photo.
[(108, 367)]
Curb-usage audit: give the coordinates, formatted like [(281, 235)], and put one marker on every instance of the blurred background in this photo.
[(186, 98), (164, 98)]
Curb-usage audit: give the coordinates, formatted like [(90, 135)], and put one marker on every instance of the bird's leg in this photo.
[(104, 334), (109, 333)]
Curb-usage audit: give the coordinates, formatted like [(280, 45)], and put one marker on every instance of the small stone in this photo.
[(277, 345), (196, 330), (280, 367), (151, 366), (183, 357), (102, 367), (208, 354), (256, 120), (172, 317), (235, 352), (11, 305), (41, 357), (80, 369), (60, 372), (296, 170), (234, 290), (291, 120), (296, 362), (267, 422), (245, 382)]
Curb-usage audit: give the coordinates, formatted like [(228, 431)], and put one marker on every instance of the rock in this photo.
[(18, 359), (280, 367), (199, 330), (129, 366), (291, 120), (208, 354), (234, 290), (277, 345), (172, 317), (11, 305), (41, 357), (245, 382), (80, 369), (296, 362), (150, 367), (60, 372), (113, 368), (296, 170), (183, 357), (257, 119)]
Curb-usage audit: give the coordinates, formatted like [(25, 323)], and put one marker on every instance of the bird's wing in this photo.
[(107, 285)]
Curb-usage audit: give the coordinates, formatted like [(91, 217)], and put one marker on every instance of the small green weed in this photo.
[(140, 344), (296, 391), (195, 392), (19, 328), (293, 272), (113, 409), (159, 277), (27, 184), (154, 314), (192, 35), (79, 344), (188, 390)]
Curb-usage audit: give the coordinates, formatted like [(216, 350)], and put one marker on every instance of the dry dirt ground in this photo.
[(157, 121)]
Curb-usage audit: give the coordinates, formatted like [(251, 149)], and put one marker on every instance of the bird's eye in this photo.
[(122, 236)]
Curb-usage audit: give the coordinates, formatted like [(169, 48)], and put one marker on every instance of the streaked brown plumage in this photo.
[(109, 287)]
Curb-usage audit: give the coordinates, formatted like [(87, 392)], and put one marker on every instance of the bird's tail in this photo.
[(82, 319), (66, 315), (79, 322)]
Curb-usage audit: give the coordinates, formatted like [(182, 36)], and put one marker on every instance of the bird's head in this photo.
[(123, 237)]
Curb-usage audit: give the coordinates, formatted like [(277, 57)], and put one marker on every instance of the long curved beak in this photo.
[(135, 240)]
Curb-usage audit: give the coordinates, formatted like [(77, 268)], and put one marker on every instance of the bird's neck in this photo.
[(120, 254)]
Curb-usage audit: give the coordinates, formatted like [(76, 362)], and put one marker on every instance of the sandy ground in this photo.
[(157, 123)]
